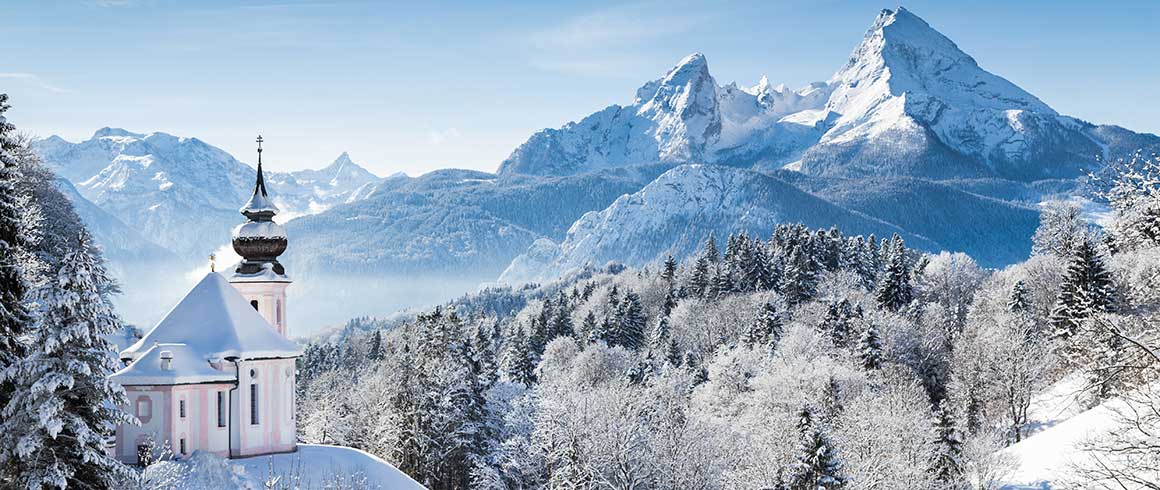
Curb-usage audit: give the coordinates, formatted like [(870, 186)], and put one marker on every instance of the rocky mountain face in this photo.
[(908, 102)]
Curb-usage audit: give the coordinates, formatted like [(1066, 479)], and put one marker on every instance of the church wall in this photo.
[(276, 430), (271, 298), (159, 409)]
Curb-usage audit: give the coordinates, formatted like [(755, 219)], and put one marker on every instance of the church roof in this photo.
[(186, 367), (216, 322)]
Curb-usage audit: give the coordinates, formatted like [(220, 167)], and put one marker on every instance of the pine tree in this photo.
[(836, 324), (15, 320), (589, 326), (561, 319), (766, 328), (64, 404), (669, 304), (1087, 289), (831, 401), (700, 279), (630, 329), (870, 347), (1020, 299), (894, 286), (660, 335), (947, 464), (711, 253), (375, 351), (800, 281), (518, 363), (669, 273), (816, 465)]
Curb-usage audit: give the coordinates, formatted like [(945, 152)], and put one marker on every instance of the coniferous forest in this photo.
[(804, 360)]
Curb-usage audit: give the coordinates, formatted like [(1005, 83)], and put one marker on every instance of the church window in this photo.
[(183, 451), (254, 303), (144, 408), (254, 404), (278, 308), (221, 408), (181, 408)]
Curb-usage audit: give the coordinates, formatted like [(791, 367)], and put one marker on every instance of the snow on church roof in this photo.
[(186, 367), (216, 322)]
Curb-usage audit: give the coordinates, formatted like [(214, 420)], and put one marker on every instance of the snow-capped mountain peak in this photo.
[(683, 105)]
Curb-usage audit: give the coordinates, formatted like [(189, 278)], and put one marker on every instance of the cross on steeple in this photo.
[(259, 140)]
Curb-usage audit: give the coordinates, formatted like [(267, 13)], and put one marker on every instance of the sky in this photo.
[(418, 86)]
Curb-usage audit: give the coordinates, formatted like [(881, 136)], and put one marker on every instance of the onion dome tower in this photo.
[(259, 276)]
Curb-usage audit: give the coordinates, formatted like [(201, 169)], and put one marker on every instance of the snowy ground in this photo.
[(311, 467), (1060, 423)]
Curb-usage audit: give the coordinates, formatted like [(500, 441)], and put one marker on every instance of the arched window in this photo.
[(254, 303), (278, 309)]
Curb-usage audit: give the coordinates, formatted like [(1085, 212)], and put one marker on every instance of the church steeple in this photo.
[(259, 207), (259, 240)]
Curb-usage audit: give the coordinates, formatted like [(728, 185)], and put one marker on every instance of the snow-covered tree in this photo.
[(816, 465), (947, 465), (1087, 289), (870, 347), (894, 289), (64, 406), (1061, 228)]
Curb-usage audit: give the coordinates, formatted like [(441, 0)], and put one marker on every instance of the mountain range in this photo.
[(910, 136)]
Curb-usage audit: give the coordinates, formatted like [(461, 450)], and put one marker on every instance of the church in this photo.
[(217, 373)]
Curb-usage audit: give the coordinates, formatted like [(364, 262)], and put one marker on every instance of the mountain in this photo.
[(674, 214), (182, 193), (451, 221), (681, 117), (119, 242), (908, 102)]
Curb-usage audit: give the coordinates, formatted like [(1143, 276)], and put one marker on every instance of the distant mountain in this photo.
[(677, 211), (451, 221), (182, 193)]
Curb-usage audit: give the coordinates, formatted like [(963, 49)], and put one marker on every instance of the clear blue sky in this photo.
[(426, 85)]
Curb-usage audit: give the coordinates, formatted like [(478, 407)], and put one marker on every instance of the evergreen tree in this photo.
[(375, 351), (64, 405), (831, 401), (1087, 289), (660, 335), (589, 326), (947, 464), (800, 280), (669, 304), (630, 328), (700, 279), (15, 320), (561, 319), (711, 253), (766, 328), (669, 273), (1020, 299), (837, 323), (894, 286), (518, 363), (870, 347), (816, 465)]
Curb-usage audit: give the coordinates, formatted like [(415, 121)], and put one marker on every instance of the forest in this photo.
[(804, 360)]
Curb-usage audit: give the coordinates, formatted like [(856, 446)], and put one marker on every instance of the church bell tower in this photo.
[(259, 276)]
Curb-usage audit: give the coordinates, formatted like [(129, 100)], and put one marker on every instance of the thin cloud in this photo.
[(36, 81), (608, 40), (442, 136)]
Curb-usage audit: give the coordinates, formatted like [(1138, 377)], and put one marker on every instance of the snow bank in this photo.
[(311, 467)]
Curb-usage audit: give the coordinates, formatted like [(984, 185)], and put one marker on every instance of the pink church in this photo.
[(217, 373)]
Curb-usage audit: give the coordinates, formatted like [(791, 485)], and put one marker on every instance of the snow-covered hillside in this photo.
[(676, 212)]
